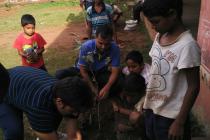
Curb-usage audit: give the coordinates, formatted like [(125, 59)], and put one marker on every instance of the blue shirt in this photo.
[(30, 91), (93, 60), (97, 19)]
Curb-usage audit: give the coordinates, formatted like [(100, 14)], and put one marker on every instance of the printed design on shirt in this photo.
[(155, 96), (160, 67), (29, 49), (89, 58), (108, 60)]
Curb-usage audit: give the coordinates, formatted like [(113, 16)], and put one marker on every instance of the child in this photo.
[(98, 14), (174, 82), (128, 109), (30, 45), (135, 64)]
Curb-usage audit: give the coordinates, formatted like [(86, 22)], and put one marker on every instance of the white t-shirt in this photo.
[(168, 84)]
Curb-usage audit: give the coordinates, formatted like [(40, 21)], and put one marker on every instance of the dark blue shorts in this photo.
[(157, 127)]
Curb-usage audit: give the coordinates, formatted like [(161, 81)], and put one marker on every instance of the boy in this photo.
[(99, 59), (98, 14), (30, 45), (135, 64), (174, 82), (128, 109), (45, 101)]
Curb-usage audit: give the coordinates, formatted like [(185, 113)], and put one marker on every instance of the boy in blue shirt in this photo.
[(99, 59)]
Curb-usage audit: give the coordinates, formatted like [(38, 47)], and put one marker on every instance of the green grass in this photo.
[(46, 14)]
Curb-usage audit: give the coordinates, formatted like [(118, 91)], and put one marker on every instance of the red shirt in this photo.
[(27, 45)]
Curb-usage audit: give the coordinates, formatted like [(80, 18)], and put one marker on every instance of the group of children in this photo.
[(172, 81)]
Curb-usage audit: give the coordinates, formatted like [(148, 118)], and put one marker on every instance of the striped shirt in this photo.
[(30, 91), (97, 19)]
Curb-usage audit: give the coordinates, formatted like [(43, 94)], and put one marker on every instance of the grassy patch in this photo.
[(46, 14), (12, 60), (65, 58)]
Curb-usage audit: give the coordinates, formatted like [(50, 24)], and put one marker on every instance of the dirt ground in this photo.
[(65, 37)]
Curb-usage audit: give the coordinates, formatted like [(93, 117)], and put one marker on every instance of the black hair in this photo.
[(4, 81), (74, 92), (105, 31), (152, 8), (134, 85), (136, 56), (27, 19)]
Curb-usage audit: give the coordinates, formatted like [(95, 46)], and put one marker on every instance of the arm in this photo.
[(86, 77), (112, 79), (89, 29), (120, 109), (81, 3), (114, 32), (40, 51), (134, 116), (193, 81), (72, 130)]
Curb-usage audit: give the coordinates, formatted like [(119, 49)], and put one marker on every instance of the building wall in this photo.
[(203, 102)]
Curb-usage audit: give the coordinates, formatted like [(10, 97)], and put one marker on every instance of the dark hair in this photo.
[(4, 82), (152, 8), (105, 31), (27, 19), (74, 92), (134, 85), (136, 56)]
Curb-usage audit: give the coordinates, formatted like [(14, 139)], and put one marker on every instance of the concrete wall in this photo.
[(203, 102)]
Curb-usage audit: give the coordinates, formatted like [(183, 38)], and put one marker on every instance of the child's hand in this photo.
[(115, 107), (32, 58), (134, 117), (104, 92)]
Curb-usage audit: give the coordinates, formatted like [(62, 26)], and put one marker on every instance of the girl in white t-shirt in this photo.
[(174, 81)]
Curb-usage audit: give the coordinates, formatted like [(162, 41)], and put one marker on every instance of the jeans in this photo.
[(157, 127), (11, 122)]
